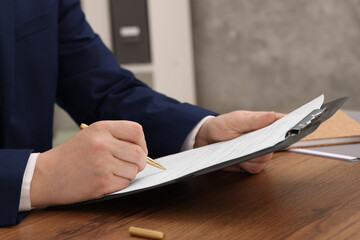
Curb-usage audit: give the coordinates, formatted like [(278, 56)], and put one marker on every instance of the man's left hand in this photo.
[(231, 125)]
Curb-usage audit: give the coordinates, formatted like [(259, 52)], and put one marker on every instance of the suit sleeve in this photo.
[(12, 167), (92, 87)]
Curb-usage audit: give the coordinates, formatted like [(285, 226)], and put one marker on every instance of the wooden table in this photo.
[(296, 197)]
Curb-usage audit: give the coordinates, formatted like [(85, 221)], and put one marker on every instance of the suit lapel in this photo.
[(7, 71)]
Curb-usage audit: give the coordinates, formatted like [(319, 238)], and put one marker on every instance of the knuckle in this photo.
[(137, 129), (97, 143), (138, 154)]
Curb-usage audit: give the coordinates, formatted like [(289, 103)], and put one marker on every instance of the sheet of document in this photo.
[(184, 163)]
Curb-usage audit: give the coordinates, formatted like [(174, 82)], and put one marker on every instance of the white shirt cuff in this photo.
[(25, 202), (190, 139)]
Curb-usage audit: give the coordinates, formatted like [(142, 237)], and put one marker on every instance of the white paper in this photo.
[(184, 163)]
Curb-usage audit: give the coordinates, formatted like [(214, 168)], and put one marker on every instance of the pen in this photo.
[(148, 159)]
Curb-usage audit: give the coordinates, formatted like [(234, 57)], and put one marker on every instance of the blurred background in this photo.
[(233, 54), (258, 54)]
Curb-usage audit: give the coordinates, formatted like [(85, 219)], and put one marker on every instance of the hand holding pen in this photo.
[(148, 159), (101, 159)]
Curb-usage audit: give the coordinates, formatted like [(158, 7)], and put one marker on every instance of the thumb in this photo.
[(250, 121)]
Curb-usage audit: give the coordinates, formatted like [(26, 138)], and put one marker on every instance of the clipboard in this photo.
[(303, 128)]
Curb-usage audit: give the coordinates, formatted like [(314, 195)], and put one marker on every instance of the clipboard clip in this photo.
[(306, 121)]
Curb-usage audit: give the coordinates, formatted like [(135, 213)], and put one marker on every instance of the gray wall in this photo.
[(275, 55)]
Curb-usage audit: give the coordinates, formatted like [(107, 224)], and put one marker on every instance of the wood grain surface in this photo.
[(296, 197)]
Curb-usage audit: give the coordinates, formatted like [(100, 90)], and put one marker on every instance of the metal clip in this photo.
[(305, 122)]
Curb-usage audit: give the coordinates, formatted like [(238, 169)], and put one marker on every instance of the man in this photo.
[(48, 54)]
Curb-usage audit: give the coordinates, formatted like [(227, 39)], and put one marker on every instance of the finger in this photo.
[(125, 130), (126, 170), (279, 115), (262, 160), (117, 184), (245, 122), (252, 168), (129, 152), (256, 165)]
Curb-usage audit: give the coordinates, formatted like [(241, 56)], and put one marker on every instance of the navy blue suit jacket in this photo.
[(48, 54)]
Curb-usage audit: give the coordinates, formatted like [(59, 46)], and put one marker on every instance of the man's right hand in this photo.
[(98, 160)]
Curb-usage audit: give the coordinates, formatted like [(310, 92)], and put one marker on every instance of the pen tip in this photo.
[(159, 166)]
